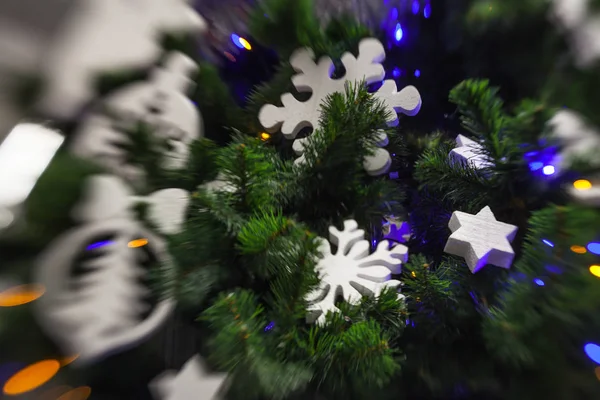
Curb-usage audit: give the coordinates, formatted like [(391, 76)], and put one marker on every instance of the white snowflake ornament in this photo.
[(469, 152), (161, 103), (192, 382), (103, 308), (102, 36), (351, 271), (316, 78), (480, 239)]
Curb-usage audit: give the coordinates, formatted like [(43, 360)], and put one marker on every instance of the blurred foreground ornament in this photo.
[(480, 239), (316, 78), (160, 103), (192, 382), (469, 152), (583, 27), (102, 309), (351, 272)]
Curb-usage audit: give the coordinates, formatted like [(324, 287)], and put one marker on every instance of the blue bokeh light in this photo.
[(236, 40), (269, 326), (594, 247), (548, 243), (427, 11), (99, 244), (398, 34), (394, 14), (416, 6), (417, 73), (593, 352), (396, 72), (539, 282), (536, 165)]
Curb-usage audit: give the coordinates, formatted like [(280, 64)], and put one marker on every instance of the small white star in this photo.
[(481, 239), (470, 152), (192, 382)]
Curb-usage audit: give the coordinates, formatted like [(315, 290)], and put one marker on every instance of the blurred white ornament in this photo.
[(161, 103), (316, 78), (98, 313), (480, 239), (192, 382), (582, 26), (351, 271), (469, 152)]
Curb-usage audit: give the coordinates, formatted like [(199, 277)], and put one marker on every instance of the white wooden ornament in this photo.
[(480, 239), (192, 382), (583, 28), (97, 315), (160, 102), (469, 152), (351, 271), (104, 36), (315, 77)]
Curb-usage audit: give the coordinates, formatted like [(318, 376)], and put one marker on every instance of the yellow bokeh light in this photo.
[(582, 184), (245, 43), (80, 393), (595, 270), (68, 360), (19, 295), (265, 136), (414, 275), (578, 249), (31, 377), (138, 243)]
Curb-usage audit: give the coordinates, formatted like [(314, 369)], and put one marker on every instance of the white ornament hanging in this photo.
[(192, 382), (583, 28), (315, 77), (480, 239), (351, 271), (469, 152), (98, 313), (161, 103), (104, 36)]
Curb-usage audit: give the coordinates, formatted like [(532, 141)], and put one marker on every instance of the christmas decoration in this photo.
[(191, 382), (583, 27), (161, 103), (317, 79), (107, 36), (480, 239), (469, 152), (101, 310), (351, 272)]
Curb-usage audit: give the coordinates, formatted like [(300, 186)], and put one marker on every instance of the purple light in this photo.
[(396, 72), (534, 166), (553, 269), (549, 170), (592, 350), (417, 73), (416, 6), (394, 14), (399, 33), (427, 11), (548, 243), (539, 282), (269, 326), (99, 244), (594, 247)]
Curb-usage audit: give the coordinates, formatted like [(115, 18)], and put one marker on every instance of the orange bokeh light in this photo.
[(80, 393), (578, 249), (19, 295), (31, 377), (138, 243)]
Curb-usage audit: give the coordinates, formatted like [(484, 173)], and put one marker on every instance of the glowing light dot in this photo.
[(394, 13), (20, 295), (396, 72), (548, 243), (427, 11), (418, 73), (399, 33), (245, 44), (582, 184), (413, 274), (539, 282), (549, 170), (415, 7), (269, 326), (534, 166), (595, 270), (137, 243), (80, 393), (594, 247), (592, 350), (31, 377), (578, 249), (99, 244), (265, 136), (236, 40)]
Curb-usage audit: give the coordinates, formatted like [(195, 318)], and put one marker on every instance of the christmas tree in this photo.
[(336, 234)]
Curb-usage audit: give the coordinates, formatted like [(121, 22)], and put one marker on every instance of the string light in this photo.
[(99, 244), (31, 377), (595, 270), (539, 282), (416, 6), (592, 350), (582, 184), (137, 243), (20, 295), (427, 11), (534, 166), (594, 247), (417, 73), (245, 44), (396, 72), (578, 249), (265, 136), (549, 170), (548, 243), (240, 42), (413, 274), (398, 33)]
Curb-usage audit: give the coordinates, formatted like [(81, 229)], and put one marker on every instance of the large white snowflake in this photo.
[(316, 78), (351, 271)]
